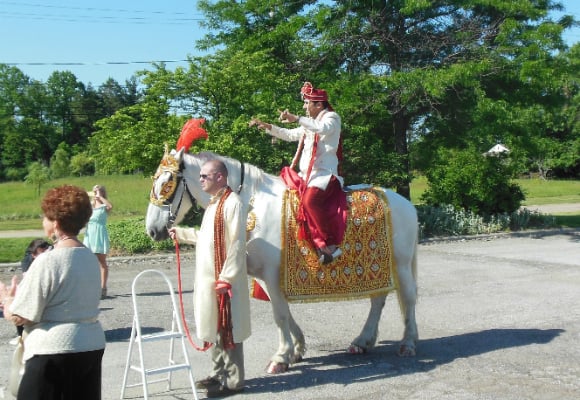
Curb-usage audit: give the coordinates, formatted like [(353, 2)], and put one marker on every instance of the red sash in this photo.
[(293, 181), (224, 305)]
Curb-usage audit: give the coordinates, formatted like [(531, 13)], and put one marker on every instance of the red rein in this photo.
[(206, 345)]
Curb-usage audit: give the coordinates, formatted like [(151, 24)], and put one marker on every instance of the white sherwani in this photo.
[(327, 125), (233, 272)]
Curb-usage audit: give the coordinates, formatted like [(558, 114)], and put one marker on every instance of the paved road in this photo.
[(563, 208), (499, 318), (24, 233)]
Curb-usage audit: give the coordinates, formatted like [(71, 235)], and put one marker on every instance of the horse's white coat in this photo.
[(263, 194)]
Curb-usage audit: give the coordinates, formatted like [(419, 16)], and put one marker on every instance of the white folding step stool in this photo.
[(175, 333)]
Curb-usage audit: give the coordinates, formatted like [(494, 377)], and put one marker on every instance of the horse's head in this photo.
[(170, 198), (176, 187)]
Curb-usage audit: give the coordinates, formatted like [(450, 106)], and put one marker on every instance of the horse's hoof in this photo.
[(354, 349), (276, 368), (297, 358), (406, 351)]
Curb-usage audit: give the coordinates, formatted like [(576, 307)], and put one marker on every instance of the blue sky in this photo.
[(110, 38), (96, 34)]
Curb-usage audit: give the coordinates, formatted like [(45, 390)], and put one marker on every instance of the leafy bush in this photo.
[(82, 164), (15, 174), (473, 182), (128, 237), (449, 221)]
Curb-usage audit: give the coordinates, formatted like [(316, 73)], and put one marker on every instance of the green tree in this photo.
[(38, 175), (416, 59), (65, 93), (132, 139), (60, 162), (229, 88), (12, 81), (565, 129), (222, 88), (28, 133), (517, 100), (36, 117), (113, 96)]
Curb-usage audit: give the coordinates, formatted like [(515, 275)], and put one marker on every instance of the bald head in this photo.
[(217, 166), (213, 176)]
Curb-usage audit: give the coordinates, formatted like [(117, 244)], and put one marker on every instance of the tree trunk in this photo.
[(400, 126)]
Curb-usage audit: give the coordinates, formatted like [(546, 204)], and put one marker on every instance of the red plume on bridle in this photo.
[(190, 132)]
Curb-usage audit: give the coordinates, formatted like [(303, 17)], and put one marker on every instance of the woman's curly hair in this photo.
[(69, 205)]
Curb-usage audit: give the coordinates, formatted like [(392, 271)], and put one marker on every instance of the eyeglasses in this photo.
[(205, 176)]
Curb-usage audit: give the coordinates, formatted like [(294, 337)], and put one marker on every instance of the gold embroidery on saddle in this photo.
[(168, 164), (364, 269)]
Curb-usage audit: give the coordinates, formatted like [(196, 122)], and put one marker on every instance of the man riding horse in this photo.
[(323, 202)]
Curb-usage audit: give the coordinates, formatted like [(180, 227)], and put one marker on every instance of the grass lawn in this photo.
[(130, 196), (538, 192), (21, 202)]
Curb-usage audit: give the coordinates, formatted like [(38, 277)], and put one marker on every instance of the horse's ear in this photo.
[(179, 155)]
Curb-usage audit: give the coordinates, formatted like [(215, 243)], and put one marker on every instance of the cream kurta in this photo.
[(234, 269), (327, 125)]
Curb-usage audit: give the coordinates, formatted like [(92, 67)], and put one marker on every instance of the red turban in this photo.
[(309, 93), (190, 132)]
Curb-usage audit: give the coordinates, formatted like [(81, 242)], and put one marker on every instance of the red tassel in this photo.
[(258, 292), (225, 322)]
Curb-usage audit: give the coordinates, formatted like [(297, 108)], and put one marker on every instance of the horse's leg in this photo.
[(368, 336), (299, 344), (407, 293), (407, 300), (259, 264), (283, 357), (298, 347)]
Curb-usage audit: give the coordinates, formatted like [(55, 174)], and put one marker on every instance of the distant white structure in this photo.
[(497, 149)]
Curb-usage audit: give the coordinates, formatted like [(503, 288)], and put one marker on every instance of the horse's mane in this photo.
[(254, 177)]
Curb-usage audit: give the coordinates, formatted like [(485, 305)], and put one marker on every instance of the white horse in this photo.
[(176, 187)]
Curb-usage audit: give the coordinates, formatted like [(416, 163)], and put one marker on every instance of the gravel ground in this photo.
[(498, 318)]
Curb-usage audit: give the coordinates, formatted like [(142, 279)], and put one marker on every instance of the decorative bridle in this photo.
[(169, 164), (168, 191)]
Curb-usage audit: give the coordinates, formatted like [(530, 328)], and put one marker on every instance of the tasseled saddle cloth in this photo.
[(365, 268)]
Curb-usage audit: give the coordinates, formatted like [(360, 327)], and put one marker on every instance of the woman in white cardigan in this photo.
[(57, 302)]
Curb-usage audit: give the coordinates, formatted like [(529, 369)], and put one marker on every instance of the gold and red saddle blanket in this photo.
[(366, 267)]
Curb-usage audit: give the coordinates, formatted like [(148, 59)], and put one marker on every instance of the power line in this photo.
[(91, 63), (113, 10), (95, 15), (96, 19)]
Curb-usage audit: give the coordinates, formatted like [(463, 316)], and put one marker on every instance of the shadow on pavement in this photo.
[(123, 334), (382, 362)]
